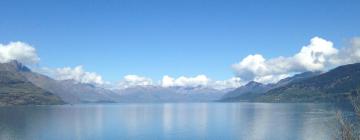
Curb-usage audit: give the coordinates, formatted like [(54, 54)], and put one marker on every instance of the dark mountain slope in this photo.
[(253, 90), (296, 78), (247, 92), (334, 85), (15, 89)]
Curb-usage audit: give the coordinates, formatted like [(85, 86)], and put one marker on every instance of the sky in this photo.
[(120, 39)]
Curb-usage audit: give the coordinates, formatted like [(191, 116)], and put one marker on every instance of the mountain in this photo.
[(332, 86), (68, 91), (15, 89), (253, 90), (147, 94), (200, 93), (247, 92), (71, 91), (297, 78), (168, 94), (74, 92)]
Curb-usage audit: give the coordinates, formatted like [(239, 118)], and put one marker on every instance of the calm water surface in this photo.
[(259, 121)]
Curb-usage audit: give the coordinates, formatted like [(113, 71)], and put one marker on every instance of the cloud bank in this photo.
[(200, 80), (78, 74), (182, 81), (19, 51), (319, 55), (133, 81)]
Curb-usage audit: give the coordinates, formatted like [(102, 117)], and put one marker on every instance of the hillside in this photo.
[(253, 90), (247, 92), (15, 89), (332, 86)]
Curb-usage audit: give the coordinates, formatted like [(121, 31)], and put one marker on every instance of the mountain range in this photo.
[(72, 92), (169, 94), (333, 86), (21, 86)]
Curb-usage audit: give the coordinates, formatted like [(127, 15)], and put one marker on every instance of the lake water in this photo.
[(217, 121)]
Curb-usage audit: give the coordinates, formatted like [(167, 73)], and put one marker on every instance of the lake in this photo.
[(157, 121)]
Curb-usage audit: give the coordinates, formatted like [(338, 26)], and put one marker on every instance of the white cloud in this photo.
[(319, 55), (182, 81), (257, 68), (200, 80), (78, 74), (316, 56), (19, 51), (134, 80), (350, 54), (167, 81), (233, 82)]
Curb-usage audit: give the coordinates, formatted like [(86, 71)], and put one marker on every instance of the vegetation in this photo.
[(349, 128)]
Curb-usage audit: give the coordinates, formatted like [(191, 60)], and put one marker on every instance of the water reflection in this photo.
[(168, 121)]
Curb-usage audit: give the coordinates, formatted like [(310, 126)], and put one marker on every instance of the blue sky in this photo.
[(171, 37)]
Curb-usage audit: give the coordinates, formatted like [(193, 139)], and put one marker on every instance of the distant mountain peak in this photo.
[(19, 66), (14, 65), (253, 84), (308, 73), (297, 77), (74, 82)]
